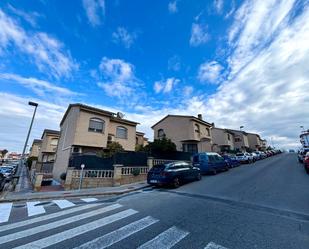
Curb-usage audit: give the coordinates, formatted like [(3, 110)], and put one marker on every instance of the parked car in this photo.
[(174, 174), (306, 162), (255, 156), (231, 161), (7, 172), (301, 154), (210, 162), (244, 157), (2, 181)]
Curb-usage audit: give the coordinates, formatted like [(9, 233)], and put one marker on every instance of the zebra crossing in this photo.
[(77, 221)]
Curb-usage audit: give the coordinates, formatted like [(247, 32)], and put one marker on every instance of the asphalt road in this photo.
[(261, 205)]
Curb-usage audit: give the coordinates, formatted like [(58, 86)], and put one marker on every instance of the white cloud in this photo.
[(95, 11), (199, 34), (31, 17), (48, 53), (210, 72), (124, 37), (165, 86), (118, 77), (218, 5), (40, 87), (174, 63), (172, 7)]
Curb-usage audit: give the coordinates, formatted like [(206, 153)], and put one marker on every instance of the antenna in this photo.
[(120, 115)]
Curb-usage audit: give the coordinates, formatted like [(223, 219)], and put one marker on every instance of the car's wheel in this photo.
[(176, 182), (199, 176), (214, 171), (307, 170)]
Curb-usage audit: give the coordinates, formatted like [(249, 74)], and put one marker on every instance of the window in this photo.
[(96, 125), (208, 131), (192, 148), (122, 132), (161, 133), (54, 141), (197, 128), (237, 139), (228, 137)]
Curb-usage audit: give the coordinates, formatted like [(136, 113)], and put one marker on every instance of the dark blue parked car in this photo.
[(174, 174), (231, 161), (210, 162)]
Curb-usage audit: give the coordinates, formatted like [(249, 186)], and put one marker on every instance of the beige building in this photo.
[(141, 139), (49, 144), (189, 133), (35, 148), (222, 139), (255, 141), (241, 141), (85, 129)]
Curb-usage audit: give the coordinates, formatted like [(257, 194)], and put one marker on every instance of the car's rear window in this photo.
[(159, 166), (239, 154)]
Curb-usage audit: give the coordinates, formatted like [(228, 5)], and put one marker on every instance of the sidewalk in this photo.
[(19, 196), (24, 185)]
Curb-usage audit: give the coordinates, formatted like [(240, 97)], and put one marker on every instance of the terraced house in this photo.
[(49, 144), (241, 141), (88, 130), (189, 133), (223, 140)]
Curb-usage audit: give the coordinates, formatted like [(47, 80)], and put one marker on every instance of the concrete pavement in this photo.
[(246, 207)]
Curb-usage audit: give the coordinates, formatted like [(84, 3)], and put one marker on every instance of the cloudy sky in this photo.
[(236, 62)]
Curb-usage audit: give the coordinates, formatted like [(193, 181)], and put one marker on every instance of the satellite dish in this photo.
[(120, 115)]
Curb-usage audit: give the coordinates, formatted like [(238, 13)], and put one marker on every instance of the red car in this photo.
[(306, 162)]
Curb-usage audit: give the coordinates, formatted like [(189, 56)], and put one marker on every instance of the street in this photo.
[(260, 205)]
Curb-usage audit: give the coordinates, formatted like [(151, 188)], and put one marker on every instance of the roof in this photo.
[(183, 116), (37, 141), (97, 111), (224, 129), (140, 133), (53, 132), (238, 131)]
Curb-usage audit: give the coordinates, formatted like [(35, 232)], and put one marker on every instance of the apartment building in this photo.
[(241, 141), (49, 142), (35, 148), (189, 133), (88, 130), (222, 139)]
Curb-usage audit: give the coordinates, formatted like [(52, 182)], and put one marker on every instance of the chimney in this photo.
[(213, 125), (200, 116)]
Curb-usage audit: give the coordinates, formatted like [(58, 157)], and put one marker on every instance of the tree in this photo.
[(161, 145), (111, 149), (3, 152)]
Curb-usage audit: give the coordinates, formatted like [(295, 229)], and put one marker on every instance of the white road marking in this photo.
[(45, 217), (68, 234), (119, 234), (34, 210), (89, 199), (52, 225), (5, 211), (165, 240), (63, 203), (213, 245)]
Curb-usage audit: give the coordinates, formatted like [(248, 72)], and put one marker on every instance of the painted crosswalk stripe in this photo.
[(119, 234), (45, 217), (5, 211), (52, 225), (89, 199), (165, 240), (63, 203), (71, 233), (213, 245), (33, 209)]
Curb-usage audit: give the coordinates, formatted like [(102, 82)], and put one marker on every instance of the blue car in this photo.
[(174, 174), (231, 161), (210, 162)]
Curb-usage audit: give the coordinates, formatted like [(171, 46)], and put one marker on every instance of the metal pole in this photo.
[(26, 142), (81, 176)]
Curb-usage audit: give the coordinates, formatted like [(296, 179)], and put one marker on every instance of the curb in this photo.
[(73, 195)]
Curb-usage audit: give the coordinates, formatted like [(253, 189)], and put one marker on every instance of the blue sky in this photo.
[(236, 62)]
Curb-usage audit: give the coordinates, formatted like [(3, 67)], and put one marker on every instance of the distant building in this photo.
[(49, 144), (141, 139), (88, 130), (223, 140), (35, 148), (241, 141), (189, 133), (255, 141)]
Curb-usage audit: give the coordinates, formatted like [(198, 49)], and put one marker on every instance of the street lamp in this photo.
[(26, 142), (240, 127), (81, 176), (302, 127)]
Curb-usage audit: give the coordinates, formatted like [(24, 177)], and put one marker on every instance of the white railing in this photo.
[(93, 173), (162, 161), (130, 170)]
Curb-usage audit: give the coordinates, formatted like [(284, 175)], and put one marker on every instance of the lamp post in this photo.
[(302, 128), (81, 176), (240, 127), (26, 142)]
